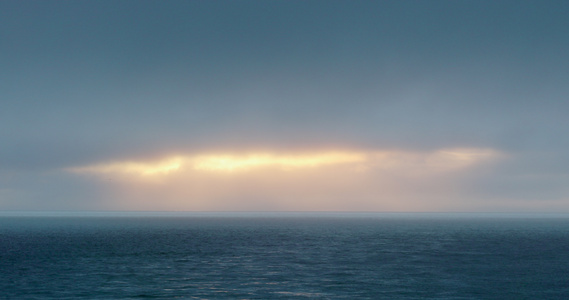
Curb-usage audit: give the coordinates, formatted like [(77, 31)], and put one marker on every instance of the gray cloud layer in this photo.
[(86, 81)]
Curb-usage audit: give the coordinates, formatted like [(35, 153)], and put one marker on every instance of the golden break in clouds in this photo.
[(318, 180)]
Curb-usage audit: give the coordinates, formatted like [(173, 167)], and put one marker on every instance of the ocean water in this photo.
[(284, 256)]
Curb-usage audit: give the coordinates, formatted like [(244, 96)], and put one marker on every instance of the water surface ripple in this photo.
[(284, 257)]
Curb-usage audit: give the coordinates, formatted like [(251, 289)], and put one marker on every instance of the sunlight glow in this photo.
[(330, 180), (392, 161), (287, 162), (142, 168)]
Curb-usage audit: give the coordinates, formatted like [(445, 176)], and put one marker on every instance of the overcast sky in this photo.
[(465, 101)]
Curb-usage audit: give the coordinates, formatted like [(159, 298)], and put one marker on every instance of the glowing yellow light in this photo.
[(441, 160), (161, 167), (234, 163), (164, 167), (332, 179)]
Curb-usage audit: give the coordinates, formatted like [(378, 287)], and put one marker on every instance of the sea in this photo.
[(118, 255)]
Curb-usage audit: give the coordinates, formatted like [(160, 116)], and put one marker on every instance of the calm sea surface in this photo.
[(284, 256)]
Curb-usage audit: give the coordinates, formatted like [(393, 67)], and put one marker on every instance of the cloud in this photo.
[(316, 180), (138, 82)]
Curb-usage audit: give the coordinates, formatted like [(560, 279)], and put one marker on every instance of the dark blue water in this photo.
[(206, 256)]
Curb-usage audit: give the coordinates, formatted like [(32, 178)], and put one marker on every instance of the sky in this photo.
[(399, 106)]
